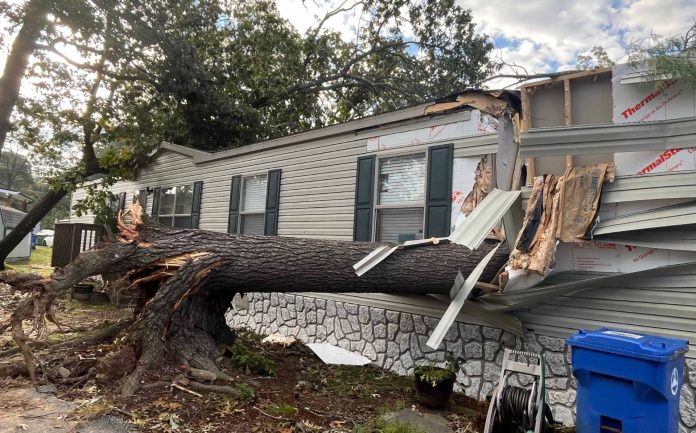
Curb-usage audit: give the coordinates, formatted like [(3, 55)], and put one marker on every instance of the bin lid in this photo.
[(628, 343)]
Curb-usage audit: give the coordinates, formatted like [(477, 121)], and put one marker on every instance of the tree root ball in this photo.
[(115, 365)]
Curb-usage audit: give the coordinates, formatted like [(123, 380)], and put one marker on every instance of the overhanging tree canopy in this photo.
[(111, 79)]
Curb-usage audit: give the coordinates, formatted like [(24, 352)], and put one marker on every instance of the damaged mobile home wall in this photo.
[(646, 220)]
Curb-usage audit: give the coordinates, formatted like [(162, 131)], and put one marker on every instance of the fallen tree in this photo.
[(187, 279)]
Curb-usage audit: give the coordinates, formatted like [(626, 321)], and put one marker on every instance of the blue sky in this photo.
[(543, 35)]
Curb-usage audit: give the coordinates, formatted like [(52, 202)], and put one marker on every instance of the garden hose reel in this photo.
[(520, 409)]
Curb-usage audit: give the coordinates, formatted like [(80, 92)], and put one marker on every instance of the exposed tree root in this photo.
[(187, 279), (104, 334)]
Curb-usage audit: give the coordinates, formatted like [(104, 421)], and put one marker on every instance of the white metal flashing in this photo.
[(474, 229), (568, 283), (373, 259), (665, 239), (382, 252), (463, 289)]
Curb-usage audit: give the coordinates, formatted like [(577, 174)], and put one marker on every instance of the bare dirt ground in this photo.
[(277, 389)]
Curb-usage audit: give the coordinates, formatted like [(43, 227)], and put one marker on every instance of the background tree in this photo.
[(16, 172), (31, 19), (673, 56), (596, 58)]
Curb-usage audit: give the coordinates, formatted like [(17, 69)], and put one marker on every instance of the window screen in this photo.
[(252, 224), (400, 209), (399, 225), (253, 204), (184, 200), (175, 206), (402, 179), (254, 195), (166, 206)]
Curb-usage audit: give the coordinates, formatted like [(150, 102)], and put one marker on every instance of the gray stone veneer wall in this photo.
[(396, 341)]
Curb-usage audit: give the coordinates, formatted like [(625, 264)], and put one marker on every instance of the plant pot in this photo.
[(434, 394), (82, 292)]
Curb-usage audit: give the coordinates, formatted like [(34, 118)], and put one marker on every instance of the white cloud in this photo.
[(665, 17), (308, 13), (547, 35)]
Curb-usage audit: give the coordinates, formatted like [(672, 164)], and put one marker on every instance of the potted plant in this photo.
[(434, 384), (82, 291)]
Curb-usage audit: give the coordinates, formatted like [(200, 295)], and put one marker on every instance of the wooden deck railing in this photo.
[(70, 239)]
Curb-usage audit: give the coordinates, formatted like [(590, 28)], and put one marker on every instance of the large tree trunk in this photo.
[(190, 276), (30, 220), (23, 46)]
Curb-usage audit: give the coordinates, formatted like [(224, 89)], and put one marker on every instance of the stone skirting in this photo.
[(396, 341)]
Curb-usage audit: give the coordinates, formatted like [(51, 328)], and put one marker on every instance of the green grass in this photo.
[(360, 381), (380, 425), (39, 262)]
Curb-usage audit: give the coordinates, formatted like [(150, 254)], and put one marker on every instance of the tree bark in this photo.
[(30, 220), (190, 276), (23, 46)]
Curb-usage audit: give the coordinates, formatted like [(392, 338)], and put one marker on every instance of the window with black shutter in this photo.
[(178, 206), (438, 201), (142, 198), (403, 197), (254, 204), (400, 198), (364, 198)]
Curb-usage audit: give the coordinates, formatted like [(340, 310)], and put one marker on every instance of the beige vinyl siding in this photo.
[(663, 305), (317, 185)]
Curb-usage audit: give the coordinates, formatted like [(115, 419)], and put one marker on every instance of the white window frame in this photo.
[(404, 205), (173, 215), (242, 194)]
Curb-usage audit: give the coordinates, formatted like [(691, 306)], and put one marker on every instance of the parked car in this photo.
[(45, 237)]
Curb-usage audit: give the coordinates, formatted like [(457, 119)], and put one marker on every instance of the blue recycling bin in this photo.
[(627, 382)]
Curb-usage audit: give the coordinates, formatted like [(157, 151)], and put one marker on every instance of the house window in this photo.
[(401, 198), (253, 204), (175, 206)]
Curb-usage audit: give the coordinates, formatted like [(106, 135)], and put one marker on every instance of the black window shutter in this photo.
[(364, 198), (155, 202), (122, 201), (438, 200), (233, 219), (196, 205), (270, 222), (142, 199)]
